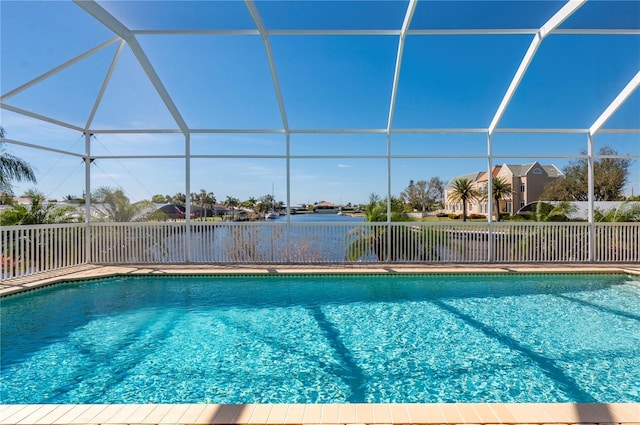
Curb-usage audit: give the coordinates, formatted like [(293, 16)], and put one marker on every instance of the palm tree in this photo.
[(202, 198), (626, 212), (15, 261), (266, 203), (363, 241), (252, 202), (179, 198), (561, 211), (195, 198), (612, 239), (500, 190), (38, 212), (12, 168), (209, 200), (231, 201), (464, 192), (551, 242), (115, 206)]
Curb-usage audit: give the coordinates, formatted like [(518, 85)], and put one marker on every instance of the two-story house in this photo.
[(527, 183)]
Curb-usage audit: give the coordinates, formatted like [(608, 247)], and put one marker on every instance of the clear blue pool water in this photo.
[(486, 338)]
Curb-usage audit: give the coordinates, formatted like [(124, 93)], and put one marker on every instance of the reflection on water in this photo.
[(321, 218), (277, 241)]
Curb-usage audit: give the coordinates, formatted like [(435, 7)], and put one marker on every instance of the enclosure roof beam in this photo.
[(42, 148), (411, 8), (105, 83), (57, 69), (617, 102), (40, 117), (558, 18), (257, 19), (99, 13), (388, 32)]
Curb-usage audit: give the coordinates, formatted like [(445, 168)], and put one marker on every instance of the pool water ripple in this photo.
[(295, 339)]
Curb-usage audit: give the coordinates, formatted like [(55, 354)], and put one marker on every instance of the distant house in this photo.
[(325, 207), (173, 211), (176, 211), (527, 183), (454, 206)]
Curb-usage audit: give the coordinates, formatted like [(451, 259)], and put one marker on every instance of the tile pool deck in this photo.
[(451, 413)]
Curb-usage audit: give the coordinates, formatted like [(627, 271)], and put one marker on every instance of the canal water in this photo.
[(308, 238)]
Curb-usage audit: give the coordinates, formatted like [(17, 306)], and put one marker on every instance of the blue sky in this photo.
[(328, 82)]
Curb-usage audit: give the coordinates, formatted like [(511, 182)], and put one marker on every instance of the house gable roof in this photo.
[(471, 177), (553, 171)]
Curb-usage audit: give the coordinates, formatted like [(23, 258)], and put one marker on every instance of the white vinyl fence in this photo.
[(34, 249)]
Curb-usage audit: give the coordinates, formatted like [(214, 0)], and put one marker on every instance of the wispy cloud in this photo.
[(344, 166)]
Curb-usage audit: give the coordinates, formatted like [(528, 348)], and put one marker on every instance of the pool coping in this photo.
[(95, 271), (325, 414)]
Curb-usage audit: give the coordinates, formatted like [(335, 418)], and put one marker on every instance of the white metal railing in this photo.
[(139, 243), (541, 242), (34, 249), (617, 242)]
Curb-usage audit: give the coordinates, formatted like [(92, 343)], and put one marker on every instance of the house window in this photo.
[(521, 187), (509, 207), (522, 203)]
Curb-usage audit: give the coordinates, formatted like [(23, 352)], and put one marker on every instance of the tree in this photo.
[(203, 199), (551, 212), (363, 241), (33, 193), (195, 198), (376, 209), (610, 175), (17, 260), (416, 195), (38, 212), (423, 196), (266, 203), (435, 191), (12, 168), (115, 206), (391, 242), (158, 199), (463, 191), (231, 201), (71, 199), (628, 211), (500, 190), (249, 203), (179, 199)]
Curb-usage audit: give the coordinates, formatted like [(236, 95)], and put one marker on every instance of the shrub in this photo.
[(442, 215), (454, 216)]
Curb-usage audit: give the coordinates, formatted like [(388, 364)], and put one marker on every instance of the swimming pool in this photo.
[(324, 339)]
